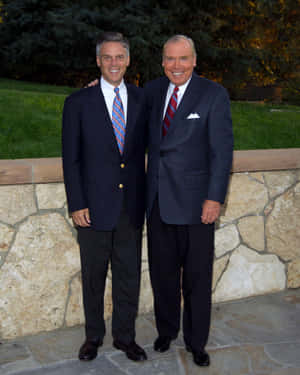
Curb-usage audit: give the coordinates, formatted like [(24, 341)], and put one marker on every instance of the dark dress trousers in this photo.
[(112, 187), (190, 164)]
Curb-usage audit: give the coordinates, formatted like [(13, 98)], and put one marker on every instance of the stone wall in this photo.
[(257, 240)]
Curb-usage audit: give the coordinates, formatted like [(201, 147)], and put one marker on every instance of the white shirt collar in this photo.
[(181, 91), (107, 86), (182, 88)]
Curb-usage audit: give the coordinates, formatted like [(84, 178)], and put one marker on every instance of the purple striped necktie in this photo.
[(172, 106), (118, 120)]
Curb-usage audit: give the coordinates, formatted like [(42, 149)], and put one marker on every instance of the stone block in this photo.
[(294, 274), (246, 196), (6, 235), (224, 361), (35, 276), (261, 363), (146, 296), (145, 264), (282, 225), (257, 176), (50, 196), (75, 313), (226, 239), (279, 181), (219, 266), (248, 274), (108, 304), (252, 231), (287, 353), (56, 346), (16, 203), (12, 352), (68, 217)]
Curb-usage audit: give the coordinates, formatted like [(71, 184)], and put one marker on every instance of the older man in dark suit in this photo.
[(104, 171), (189, 161)]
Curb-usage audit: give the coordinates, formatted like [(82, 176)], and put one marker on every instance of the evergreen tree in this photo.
[(238, 42), (46, 40)]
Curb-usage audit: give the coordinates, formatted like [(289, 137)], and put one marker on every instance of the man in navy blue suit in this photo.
[(103, 142), (189, 161)]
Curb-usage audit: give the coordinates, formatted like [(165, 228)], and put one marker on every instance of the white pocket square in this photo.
[(193, 115)]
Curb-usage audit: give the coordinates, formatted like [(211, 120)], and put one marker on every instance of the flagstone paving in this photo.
[(254, 336)]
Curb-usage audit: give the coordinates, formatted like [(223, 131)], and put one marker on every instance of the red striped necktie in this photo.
[(170, 111)]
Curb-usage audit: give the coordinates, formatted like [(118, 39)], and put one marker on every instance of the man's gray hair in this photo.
[(111, 36), (177, 38)]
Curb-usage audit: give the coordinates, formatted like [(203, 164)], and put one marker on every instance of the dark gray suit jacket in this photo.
[(193, 161)]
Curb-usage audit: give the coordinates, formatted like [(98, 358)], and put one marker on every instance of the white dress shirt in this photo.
[(180, 93), (109, 96)]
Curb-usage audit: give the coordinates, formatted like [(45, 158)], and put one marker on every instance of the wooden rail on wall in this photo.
[(30, 171)]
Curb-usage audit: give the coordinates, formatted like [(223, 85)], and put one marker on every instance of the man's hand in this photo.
[(210, 211), (81, 217), (93, 83)]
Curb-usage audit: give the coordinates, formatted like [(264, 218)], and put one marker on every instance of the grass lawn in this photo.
[(30, 119), (30, 122), (263, 126)]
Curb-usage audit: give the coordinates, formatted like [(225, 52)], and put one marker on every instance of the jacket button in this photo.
[(122, 165), (121, 186)]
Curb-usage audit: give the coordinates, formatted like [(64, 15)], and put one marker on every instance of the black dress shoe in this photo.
[(201, 358), (89, 350), (162, 343), (132, 350)]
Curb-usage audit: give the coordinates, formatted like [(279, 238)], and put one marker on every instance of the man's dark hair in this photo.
[(111, 36)]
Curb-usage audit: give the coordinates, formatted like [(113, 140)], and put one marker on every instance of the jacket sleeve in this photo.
[(71, 152), (220, 146)]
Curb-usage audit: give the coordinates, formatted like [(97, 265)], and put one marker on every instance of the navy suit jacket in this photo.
[(92, 164), (193, 161)]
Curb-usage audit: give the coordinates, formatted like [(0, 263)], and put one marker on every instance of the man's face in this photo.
[(113, 62), (178, 61)]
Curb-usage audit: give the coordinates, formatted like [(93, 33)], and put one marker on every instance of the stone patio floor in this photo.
[(253, 336)]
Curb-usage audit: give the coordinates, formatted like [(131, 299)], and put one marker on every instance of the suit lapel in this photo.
[(191, 96), (102, 117), (161, 100), (132, 112)]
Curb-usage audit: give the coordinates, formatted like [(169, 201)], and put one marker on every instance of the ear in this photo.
[(195, 61), (98, 61), (128, 61)]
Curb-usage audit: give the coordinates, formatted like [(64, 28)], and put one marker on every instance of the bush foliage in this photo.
[(238, 42)]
